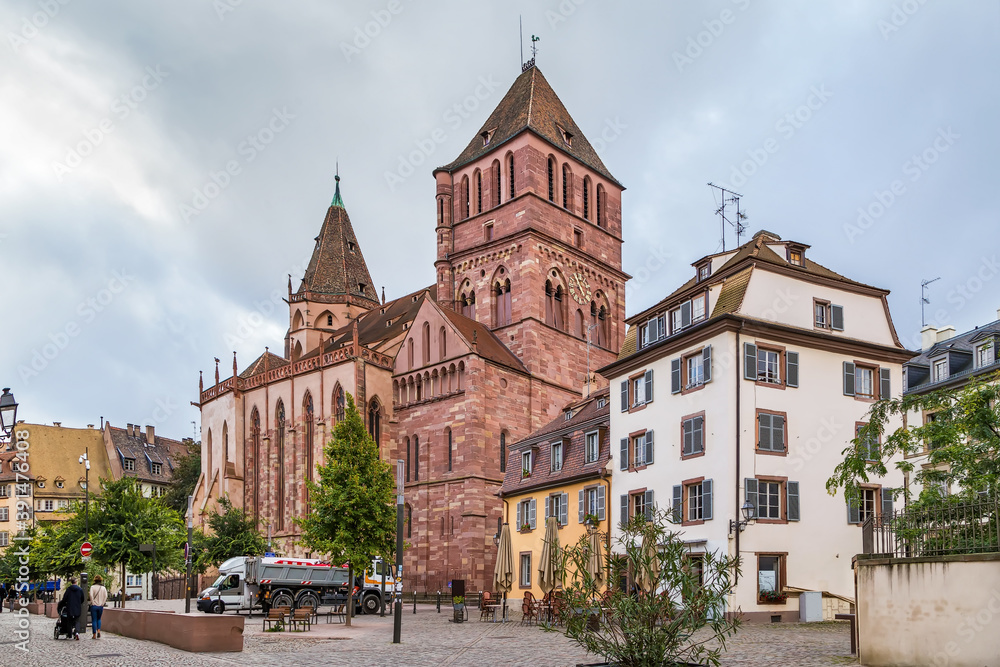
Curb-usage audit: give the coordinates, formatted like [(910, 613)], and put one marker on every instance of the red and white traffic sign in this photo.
[(86, 549)]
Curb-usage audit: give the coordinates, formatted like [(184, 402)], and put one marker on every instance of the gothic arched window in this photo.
[(469, 305), (554, 305), (510, 176), (552, 179), (479, 191), (601, 221), (426, 330), (464, 202), (503, 451), (496, 185), (567, 177), (586, 198), (309, 432), (375, 421), (501, 303), (339, 404), (279, 436), (257, 464)]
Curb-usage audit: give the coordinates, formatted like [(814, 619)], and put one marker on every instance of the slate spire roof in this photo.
[(531, 104), (337, 272)]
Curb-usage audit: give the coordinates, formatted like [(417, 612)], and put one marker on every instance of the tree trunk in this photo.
[(123, 584), (350, 595)]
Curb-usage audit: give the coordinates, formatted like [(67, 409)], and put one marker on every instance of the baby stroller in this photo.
[(64, 624)]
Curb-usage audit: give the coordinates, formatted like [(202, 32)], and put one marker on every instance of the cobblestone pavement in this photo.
[(428, 639)]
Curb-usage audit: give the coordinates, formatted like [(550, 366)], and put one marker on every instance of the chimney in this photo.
[(90, 426), (128, 430), (945, 333), (57, 424), (150, 435), (928, 336), (998, 313)]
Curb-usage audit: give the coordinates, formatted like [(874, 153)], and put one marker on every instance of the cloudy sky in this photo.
[(165, 166)]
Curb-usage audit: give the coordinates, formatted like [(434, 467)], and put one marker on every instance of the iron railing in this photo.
[(958, 528)]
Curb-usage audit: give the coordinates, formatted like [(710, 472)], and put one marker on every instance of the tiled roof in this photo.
[(734, 288), (164, 451), (585, 414), (965, 344), (630, 342), (258, 366), (531, 104), (337, 267), (487, 345), (381, 326), (55, 452)]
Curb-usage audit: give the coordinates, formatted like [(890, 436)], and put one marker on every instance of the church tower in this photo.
[(529, 239), (336, 286)]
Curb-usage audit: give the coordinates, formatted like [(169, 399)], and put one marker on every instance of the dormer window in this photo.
[(361, 287), (350, 246), (795, 255), (939, 371), (526, 463), (128, 464), (59, 484), (704, 271), (601, 402), (569, 415), (567, 137), (985, 354), (157, 468), (487, 136)]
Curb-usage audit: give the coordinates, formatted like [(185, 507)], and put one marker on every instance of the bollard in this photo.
[(439, 601), (414, 602)]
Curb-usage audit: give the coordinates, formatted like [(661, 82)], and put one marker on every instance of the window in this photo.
[(869, 446), (442, 344), (479, 191), (691, 372), (652, 331), (129, 464), (41, 484), (767, 366), (859, 381), (552, 179), (867, 504), (593, 446), (501, 303), (984, 355), (469, 305), (592, 502), (704, 271), (416, 458), (637, 390), (497, 187), (59, 484), (639, 450), (463, 201), (864, 383), (510, 174), (503, 451), (4, 538), (526, 463), (586, 198), (774, 499), (872, 502), (329, 320), (698, 308), (339, 406), (687, 313), (488, 231), (695, 370), (526, 514), (157, 468), (821, 311), (568, 416), (449, 450), (601, 402), (599, 210), (768, 504), (525, 574), (693, 435), (567, 177), (4, 490), (697, 501), (770, 577), (637, 504), (940, 370), (577, 238), (557, 505), (771, 432), (46, 505), (557, 456), (4, 514), (795, 257), (554, 305)]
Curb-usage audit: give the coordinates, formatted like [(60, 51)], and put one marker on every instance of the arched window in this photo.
[(406, 442), (409, 520), (464, 202), (602, 326), (279, 436), (579, 329), (375, 422), (257, 464), (207, 454), (309, 432), (552, 179), (554, 305), (448, 434), (427, 343), (416, 459), (461, 375), (496, 183), (440, 211), (329, 320), (601, 222), (409, 352), (469, 305), (339, 405), (503, 451), (510, 174), (567, 181), (586, 198), (442, 344), (501, 303), (225, 447), (479, 191)]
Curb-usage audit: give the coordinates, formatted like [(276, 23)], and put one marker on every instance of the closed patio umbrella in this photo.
[(595, 563), (503, 573), (649, 565), (548, 565)]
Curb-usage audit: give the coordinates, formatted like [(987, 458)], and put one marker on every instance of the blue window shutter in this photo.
[(531, 513), (706, 358), (706, 499), (849, 378), (677, 511), (792, 500), (582, 509), (564, 510), (749, 361), (623, 457), (885, 384), (649, 447), (520, 516), (792, 369), (649, 386), (548, 508), (600, 503), (675, 376), (750, 493), (686, 314), (624, 510), (624, 395), (649, 505), (886, 502), (837, 318)]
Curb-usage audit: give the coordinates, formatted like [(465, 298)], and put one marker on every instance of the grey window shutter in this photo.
[(837, 317), (548, 507), (706, 358), (749, 361), (886, 502), (849, 378), (778, 433), (653, 334), (677, 511), (624, 395), (750, 493), (531, 513), (687, 447), (649, 505), (686, 314), (698, 438), (520, 516), (582, 508), (706, 500), (675, 376), (763, 431), (623, 456), (792, 369), (624, 510), (853, 512), (885, 385), (649, 447), (649, 386), (600, 503), (792, 500), (564, 510)]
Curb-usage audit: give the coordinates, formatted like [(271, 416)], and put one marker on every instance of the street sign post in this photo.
[(86, 549)]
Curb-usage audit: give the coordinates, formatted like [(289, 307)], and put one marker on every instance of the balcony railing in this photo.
[(958, 528)]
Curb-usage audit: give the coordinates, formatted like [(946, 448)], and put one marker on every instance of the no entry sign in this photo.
[(86, 549)]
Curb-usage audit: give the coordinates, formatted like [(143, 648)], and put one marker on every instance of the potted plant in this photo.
[(458, 606), (525, 474), (668, 617), (525, 527), (773, 597), (591, 520)]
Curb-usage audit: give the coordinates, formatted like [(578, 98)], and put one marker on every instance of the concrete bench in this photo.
[(196, 633)]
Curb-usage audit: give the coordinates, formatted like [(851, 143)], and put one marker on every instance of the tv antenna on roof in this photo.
[(924, 300), (728, 196)]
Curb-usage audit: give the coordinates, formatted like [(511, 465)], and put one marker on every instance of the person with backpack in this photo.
[(98, 596)]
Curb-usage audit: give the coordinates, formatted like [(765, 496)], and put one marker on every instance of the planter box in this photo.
[(198, 633), (36, 607), (50, 609)]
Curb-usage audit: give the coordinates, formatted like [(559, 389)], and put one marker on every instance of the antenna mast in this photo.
[(728, 196), (924, 299), (520, 34)]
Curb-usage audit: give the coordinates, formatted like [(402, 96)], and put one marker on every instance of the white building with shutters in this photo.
[(745, 385)]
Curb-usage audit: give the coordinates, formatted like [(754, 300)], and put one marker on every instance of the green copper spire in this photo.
[(337, 201)]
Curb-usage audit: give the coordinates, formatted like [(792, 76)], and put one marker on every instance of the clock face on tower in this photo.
[(578, 288)]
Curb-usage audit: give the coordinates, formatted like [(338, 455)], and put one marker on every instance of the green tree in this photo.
[(184, 478), (353, 516), (232, 533)]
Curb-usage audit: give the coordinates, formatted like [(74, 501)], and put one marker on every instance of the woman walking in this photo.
[(98, 596)]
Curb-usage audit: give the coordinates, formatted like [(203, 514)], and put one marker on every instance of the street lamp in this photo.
[(747, 511), (8, 412), (85, 460)]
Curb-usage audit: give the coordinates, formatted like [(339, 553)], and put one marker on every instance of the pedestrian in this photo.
[(98, 596), (73, 598)]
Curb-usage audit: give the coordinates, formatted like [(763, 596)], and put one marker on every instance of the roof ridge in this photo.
[(531, 95)]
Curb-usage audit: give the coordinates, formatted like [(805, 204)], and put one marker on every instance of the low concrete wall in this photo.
[(929, 611), (197, 633)]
